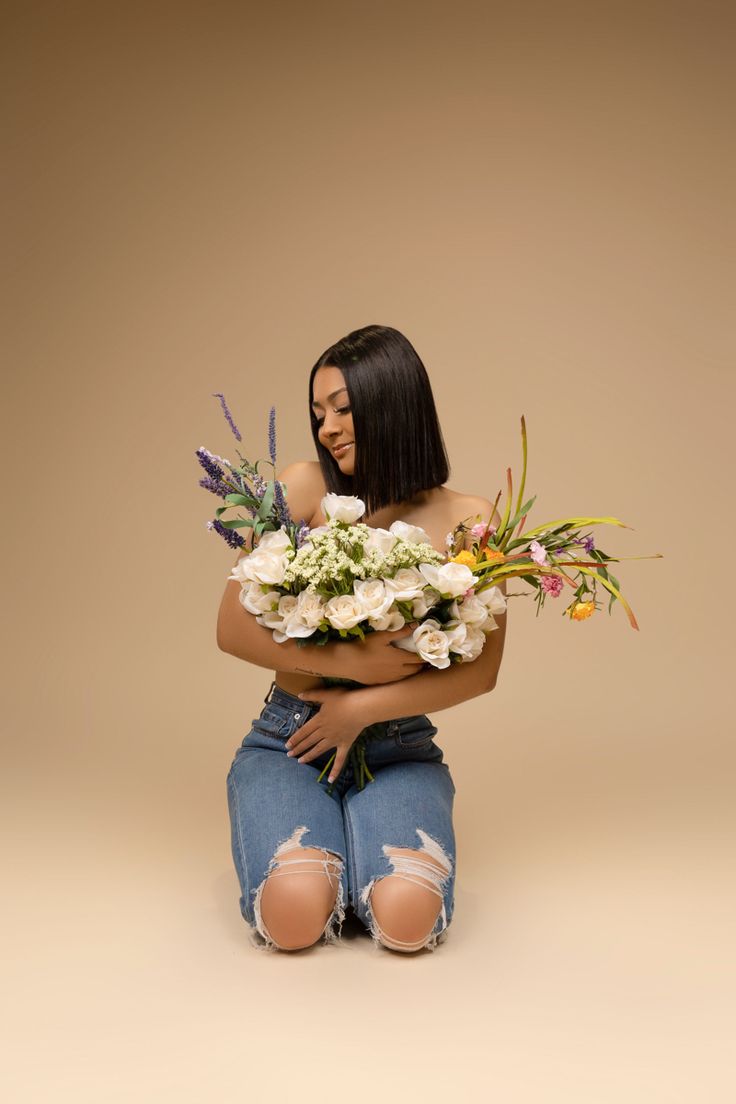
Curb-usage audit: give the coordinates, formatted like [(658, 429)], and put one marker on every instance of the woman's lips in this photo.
[(338, 452)]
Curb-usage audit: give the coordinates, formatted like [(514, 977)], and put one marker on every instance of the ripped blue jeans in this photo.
[(276, 805)]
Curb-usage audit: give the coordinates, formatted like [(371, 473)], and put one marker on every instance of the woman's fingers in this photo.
[(339, 762), (302, 738), (316, 751)]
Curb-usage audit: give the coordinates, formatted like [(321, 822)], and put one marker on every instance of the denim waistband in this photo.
[(279, 696)]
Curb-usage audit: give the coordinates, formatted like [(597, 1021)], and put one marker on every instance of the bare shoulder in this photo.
[(474, 508), (305, 488)]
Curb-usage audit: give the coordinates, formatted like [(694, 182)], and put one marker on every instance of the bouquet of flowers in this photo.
[(345, 579)]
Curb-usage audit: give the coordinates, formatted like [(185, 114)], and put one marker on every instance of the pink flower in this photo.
[(552, 584), (537, 552), (478, 530)]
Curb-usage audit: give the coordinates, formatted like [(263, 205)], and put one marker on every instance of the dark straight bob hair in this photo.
[(400, 450)]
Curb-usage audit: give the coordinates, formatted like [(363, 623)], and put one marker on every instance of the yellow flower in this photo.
[(581, 610), (464, 557)]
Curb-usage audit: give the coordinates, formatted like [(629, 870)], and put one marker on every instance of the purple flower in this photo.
[(209, 464), (587, 543), (232, 536), (302, 533), (216, 486), (272, 435), (282, 510), (228, 415)]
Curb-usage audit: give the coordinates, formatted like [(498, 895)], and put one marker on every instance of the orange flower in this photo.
[(581, 610), (493, 555)]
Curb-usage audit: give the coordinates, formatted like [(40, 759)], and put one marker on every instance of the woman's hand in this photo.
[(335, 725), (375, 660)]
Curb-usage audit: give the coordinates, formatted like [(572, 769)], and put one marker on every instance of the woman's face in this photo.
[(331, 405)]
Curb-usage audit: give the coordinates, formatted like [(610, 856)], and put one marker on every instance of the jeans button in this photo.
[(297, 716)]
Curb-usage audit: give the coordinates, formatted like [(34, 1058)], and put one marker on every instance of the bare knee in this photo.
[(406, 904), (297, 898)]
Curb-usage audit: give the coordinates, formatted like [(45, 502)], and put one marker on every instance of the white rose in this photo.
[(412, 533), (472, 611), (263, 566), (275, 540), (450, 579), (310, 608), (421, 606), (342, 508), (389, 622), (253, 598), (430, 642), (379, 540), (472, 645), (492, 598), (406, 584), (344, 611), (283, 621), (373, 596)]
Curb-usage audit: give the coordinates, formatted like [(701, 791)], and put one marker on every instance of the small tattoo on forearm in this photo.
[(308, 671)]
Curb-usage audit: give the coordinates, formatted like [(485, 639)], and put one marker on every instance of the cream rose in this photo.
[(430, 642), (344, 611), (283, 621), (406, 584), (450, 579), (373, 596), (379, 540), (492, 598), (412, 533), (391, 620), (342, 508), (255, 600)]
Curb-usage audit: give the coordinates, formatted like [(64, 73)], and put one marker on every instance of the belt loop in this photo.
[(267, 698)]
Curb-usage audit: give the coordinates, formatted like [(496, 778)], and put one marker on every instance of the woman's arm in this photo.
[(374, 661), (430, 691), (437, 689), (238, 632)]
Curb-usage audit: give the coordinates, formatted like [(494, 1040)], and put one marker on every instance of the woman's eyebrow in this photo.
[(331, 396)]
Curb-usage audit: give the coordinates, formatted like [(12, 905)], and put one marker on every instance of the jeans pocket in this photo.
[(274, 721), (414, 732)]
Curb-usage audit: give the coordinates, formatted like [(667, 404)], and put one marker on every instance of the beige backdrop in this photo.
[(201, 198)]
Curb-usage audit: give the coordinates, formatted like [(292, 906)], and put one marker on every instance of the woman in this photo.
[(388, 850)]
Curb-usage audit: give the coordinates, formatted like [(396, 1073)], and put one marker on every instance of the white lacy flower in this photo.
[(346, 508), (379, 540), (450, 579), (373, 596), (344, 611), (406, 584), (389, 622), (430, 642), (255, 600), (412, 533)]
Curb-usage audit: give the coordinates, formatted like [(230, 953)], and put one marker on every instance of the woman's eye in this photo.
[(341, 410)]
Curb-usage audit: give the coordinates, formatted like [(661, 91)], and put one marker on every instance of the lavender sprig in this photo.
[(209, 464), (219, 395), (216, 486), (282, 509), (272, 435), (232, 537)]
